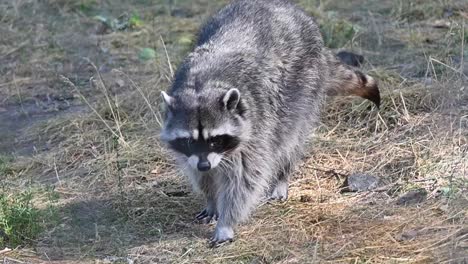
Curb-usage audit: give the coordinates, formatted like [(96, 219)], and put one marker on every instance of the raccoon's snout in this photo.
[(204, 161), (204, 165)]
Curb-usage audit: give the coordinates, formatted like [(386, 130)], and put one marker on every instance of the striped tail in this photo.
[(346, 80)]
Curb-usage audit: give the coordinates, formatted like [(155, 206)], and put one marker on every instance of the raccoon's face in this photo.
[(204, 128)]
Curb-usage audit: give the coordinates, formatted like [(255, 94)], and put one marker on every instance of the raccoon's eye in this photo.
[(216, 142), (223, 143), (188, 142)]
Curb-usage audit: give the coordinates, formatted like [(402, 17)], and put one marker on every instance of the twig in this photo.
[(450, 67), (5, 250), (167, 57), (56, 173), (115, 114), (328, 171), (66, 80), (158, 120), (462, 61), (20, 80), (20, 46)]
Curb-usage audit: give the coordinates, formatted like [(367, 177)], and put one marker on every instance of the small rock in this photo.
[(359, 182), (440, 23), (412, 197), (350, 58), (120, 83), (407, 235)]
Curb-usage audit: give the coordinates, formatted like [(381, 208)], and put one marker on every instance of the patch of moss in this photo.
[(21, 221)]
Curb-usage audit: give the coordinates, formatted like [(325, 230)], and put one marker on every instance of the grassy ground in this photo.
[(79, 121)]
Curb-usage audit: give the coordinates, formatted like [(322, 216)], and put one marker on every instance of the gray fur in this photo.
[(258, 73)]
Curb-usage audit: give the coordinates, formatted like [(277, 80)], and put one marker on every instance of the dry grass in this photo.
[(94, 122)]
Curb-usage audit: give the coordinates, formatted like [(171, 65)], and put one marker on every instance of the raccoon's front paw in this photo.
[(222, 236), (206, 216), (280, 193)]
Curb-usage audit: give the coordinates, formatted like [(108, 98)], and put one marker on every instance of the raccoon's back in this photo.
[(286, 47), (277, 26)]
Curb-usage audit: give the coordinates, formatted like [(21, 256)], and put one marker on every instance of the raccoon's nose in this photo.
[(204, 165)]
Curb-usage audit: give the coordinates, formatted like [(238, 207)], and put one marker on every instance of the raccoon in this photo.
[(244, 101)]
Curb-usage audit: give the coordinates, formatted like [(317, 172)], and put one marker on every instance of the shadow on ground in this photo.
[(109, 226)]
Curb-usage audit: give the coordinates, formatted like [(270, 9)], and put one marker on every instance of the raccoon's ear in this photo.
[(231, 99), (167, 99)]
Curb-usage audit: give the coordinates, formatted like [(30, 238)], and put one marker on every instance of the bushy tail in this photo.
[(347, 80)]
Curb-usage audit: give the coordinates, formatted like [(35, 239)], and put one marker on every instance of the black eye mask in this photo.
[(218, 144)]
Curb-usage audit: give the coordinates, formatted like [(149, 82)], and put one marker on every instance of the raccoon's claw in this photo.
[(205, 216), (278, 198), (202, 214), (223, 235), (218, 243)]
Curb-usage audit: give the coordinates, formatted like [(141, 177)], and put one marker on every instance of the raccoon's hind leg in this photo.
[(279, 192)]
